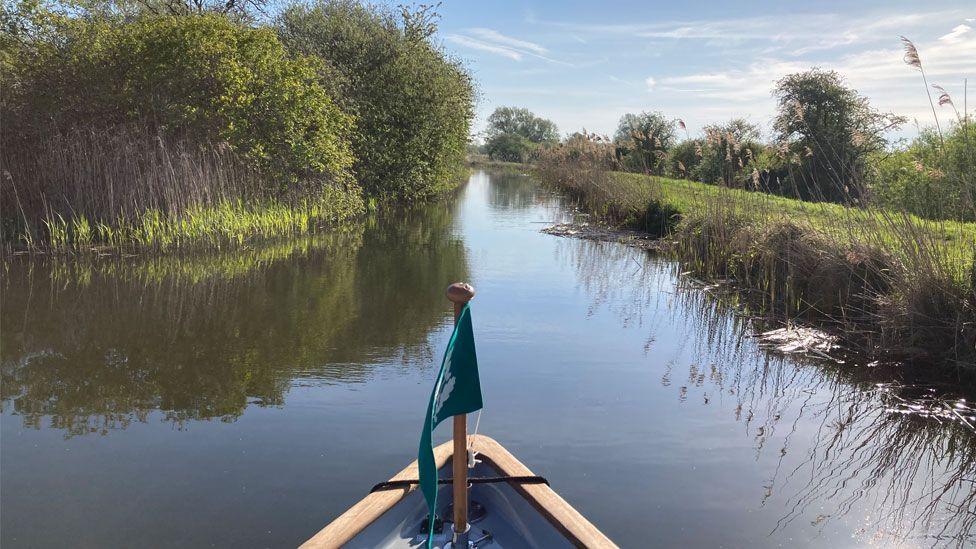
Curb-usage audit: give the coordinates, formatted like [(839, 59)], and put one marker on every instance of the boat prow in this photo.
[(520, 510)]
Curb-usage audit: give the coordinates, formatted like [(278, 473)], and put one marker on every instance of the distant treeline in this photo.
[(161, 122), (828, 144)]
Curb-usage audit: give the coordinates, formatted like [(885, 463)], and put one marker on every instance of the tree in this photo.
[(513, 133), (643, 141), (413, 104), (522, 122), (828, 130)]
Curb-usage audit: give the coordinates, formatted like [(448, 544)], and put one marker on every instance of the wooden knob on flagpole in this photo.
[(460, 293)]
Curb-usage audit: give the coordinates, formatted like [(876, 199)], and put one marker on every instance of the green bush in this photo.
[(684, 158), (728, 154), (412, 103), (643, 141), (933, 177), (510, 147), (202, 77)]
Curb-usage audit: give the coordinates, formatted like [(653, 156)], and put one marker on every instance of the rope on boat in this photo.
[(525, 479)]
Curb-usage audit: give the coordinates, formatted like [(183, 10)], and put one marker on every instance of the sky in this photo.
[(584, 64)]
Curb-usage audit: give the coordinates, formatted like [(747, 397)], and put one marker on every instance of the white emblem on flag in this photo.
[(445, 390)]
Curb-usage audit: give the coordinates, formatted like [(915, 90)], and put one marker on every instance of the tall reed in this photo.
[(132, 186)]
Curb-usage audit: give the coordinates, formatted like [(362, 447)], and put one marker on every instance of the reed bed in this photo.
[(894, 286), (129, 187)]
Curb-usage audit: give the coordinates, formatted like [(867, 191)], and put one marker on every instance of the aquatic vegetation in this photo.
[(226, 222)]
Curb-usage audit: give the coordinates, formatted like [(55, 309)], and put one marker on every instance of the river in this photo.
[(248, 397)]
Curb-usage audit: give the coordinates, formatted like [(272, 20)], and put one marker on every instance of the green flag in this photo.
[(457, 391)]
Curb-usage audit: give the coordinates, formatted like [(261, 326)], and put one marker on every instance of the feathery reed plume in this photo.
[(911, 54), (946, 99), (681, 124), (913, 60)]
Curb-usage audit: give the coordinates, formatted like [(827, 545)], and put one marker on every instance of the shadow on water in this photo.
[(96, 345), (842, 442)]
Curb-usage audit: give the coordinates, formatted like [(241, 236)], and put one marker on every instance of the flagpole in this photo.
[(460, 294)]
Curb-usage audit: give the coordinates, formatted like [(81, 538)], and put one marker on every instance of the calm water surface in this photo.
[(248, 398)]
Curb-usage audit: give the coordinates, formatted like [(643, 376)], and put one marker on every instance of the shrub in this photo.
[(728, 154), (413, 104), (932, 177), (201, 77), (643, 141), (684, 158), (510, 147)]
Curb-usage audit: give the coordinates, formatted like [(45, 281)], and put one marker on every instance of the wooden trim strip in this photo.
[(557, 511), (361, 515)]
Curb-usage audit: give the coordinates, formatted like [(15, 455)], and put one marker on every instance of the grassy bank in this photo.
[(482, 161), (894, 286)]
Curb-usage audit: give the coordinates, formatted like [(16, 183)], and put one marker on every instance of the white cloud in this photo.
[(473, 43), (651, 83), (495, 42), (499, 38), (819, 31), (956, 34), (880, 74)]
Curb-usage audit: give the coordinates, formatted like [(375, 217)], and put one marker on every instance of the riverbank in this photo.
[(892, 286), (484, 163)]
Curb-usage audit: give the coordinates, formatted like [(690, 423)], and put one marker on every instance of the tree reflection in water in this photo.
[(96, 345), (898, 450)]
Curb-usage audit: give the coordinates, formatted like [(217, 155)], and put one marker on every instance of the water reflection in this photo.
[(512, 190), (842, 442), (95, 346)]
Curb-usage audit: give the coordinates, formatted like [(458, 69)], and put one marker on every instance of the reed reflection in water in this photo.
[(93, 346), (909, 477)]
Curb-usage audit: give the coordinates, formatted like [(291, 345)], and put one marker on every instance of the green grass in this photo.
[(896, 232), (226, 222)]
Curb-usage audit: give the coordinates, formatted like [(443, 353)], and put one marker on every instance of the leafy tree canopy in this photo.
[(522, 122), (829, 129)]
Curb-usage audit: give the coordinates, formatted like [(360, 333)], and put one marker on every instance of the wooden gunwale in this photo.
[(555, 509)]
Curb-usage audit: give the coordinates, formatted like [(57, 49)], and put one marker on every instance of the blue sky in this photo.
[(584, 64)]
